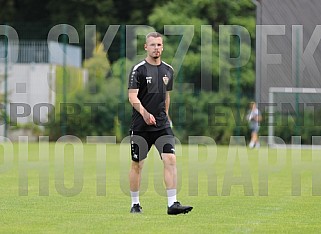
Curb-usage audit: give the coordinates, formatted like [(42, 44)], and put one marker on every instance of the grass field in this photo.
[(226, 185)]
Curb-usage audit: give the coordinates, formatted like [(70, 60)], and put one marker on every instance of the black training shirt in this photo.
[(152, 82)]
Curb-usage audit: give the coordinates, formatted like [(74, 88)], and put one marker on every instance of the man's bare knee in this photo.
[(137, 166), (169, 159)]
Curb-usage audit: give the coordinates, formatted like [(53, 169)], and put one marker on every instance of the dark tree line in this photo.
[(192, 111)]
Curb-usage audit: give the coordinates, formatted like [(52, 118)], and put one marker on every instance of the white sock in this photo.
[(171, 196), (135, 197)]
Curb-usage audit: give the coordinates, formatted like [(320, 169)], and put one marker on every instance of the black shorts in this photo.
[(141, 142)]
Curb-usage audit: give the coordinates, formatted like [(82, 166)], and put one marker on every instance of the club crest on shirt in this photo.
[(165, 79)]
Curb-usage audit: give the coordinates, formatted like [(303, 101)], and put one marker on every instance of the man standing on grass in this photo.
[(148, 91), (254, 118)]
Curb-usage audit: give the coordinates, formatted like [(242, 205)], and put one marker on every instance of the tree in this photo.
[(96, 104), (7, 10), (207, 13), (98, 67)]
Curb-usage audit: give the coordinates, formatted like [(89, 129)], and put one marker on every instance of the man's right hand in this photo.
[(149, 118)]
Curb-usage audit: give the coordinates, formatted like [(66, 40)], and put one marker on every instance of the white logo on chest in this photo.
[(149, 79)]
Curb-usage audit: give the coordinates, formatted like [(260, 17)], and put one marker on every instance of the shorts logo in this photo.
[(149, 79), (165, 79)]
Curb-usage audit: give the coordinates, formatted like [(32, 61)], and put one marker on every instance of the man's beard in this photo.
[(156, 54)]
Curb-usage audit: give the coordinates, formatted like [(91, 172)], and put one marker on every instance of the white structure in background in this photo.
[(31, 80), (288, 51)]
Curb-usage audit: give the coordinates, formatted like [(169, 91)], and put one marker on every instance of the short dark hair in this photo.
[(153, 34)]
